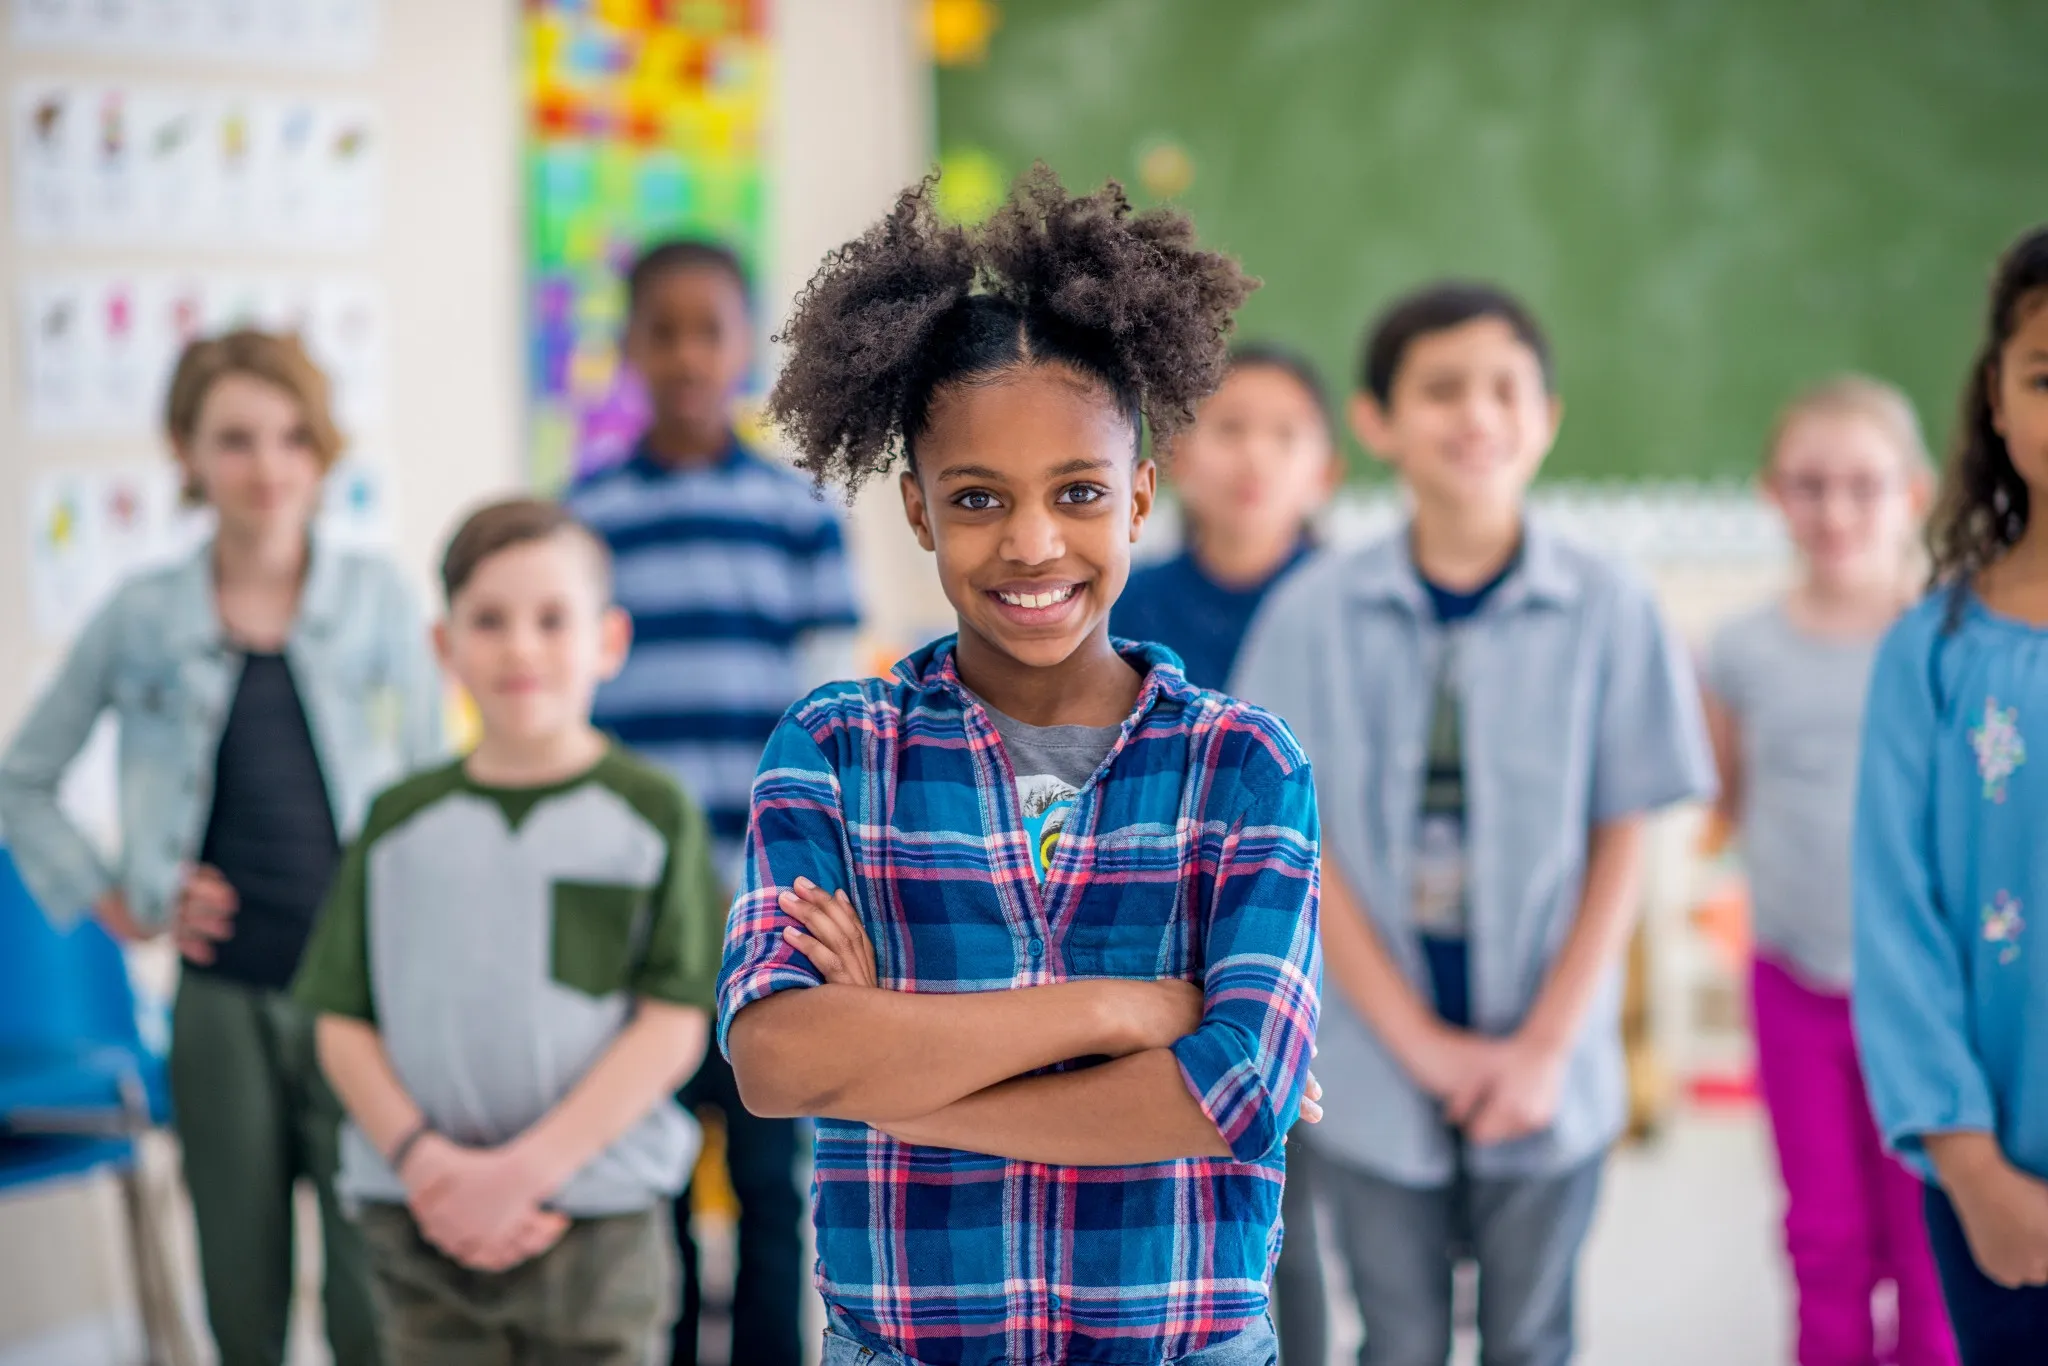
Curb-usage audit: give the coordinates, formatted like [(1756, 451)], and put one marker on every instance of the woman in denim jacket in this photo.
[(265, 690)]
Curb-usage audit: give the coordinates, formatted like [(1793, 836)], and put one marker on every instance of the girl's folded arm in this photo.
[(847, 1052)]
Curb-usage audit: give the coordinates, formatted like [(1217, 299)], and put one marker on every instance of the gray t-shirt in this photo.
[(1797, 699), (1052, 763)]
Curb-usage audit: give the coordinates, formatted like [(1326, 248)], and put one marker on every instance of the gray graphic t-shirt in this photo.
[(1052, 764)]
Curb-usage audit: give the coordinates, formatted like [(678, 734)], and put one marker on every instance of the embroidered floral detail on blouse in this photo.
[(2002, 926), (1999, 746)]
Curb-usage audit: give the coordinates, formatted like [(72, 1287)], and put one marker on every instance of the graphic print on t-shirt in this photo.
[(1046, 801), (1440, 836)]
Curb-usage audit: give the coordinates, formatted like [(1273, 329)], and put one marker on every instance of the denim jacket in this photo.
[(157, 655)]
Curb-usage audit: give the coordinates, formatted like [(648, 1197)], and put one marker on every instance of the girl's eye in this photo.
[(551, 620), (975, 500), (488, 620), (1083, 493)]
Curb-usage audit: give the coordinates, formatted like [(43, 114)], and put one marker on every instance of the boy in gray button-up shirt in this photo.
[(1491, 712)]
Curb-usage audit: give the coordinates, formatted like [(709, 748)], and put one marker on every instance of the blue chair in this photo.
[(77, 1086)]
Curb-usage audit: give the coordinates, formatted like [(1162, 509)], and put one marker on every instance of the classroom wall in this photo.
[(853, 120)]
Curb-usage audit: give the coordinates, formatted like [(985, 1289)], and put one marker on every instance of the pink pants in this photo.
[(1852, 1213)]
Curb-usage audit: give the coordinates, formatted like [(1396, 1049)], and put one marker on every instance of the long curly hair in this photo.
[(917, 305), (1983, 507)]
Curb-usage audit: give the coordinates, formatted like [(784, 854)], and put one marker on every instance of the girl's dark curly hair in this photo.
[(1982, 509), (916, 305)]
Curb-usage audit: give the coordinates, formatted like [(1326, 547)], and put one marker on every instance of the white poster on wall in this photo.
[(91, 527), (48, 141), (348, 170), (173, 171), (154, 166), (56, 378), (97, 348), (64, 568), (307, 33)]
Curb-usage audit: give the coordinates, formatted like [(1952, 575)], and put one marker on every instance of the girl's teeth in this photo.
[(1036, 599)]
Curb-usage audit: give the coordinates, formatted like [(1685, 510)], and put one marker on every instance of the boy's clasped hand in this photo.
[(829, 933), (1493, 1090), (483, 1207)]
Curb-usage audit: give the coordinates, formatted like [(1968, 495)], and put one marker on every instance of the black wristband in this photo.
[(403, 1148)]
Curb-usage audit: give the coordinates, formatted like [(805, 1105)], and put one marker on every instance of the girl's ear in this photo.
[(1144, 490), (1920, 490), (914, 510), (1991, 394), (441, 646)]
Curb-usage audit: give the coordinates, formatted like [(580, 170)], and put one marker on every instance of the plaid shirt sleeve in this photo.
[(795, 828), (1248, 1062)]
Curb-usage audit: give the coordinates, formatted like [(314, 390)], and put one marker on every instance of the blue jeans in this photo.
[(1400, 1245), (1256, 1346)]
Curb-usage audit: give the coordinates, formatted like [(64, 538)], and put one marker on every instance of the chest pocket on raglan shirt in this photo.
[(595, 934)]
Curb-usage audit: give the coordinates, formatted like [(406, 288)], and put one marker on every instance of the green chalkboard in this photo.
[(1709, 202)]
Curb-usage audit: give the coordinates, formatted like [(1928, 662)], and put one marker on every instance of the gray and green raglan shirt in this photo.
[(498, 940)]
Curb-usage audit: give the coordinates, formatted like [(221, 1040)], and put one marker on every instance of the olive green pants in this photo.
[(253, 1116), (602, 1296)]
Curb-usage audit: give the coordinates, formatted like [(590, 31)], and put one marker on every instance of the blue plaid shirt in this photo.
[(1191, 853)]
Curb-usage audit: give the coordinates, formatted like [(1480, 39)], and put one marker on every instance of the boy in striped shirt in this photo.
[(735, 574), (1030, 927)]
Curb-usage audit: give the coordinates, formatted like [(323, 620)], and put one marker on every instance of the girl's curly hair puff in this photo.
[(916, 305)]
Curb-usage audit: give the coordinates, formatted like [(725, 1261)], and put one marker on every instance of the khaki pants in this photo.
[(602, 1296)]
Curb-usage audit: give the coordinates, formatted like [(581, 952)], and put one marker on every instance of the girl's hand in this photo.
[(1145, 1015), (2004, 1211), (1311, 1101), (836, 943), (205, 913)]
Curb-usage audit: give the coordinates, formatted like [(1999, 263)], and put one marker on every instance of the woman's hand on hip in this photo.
[(205, 913)]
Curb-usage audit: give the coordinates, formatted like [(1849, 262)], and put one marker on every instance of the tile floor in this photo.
[(1683, 1268)]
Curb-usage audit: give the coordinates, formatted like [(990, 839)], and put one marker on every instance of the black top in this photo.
[(271, 833)]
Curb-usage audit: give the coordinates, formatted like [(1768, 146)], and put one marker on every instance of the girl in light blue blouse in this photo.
[(1951, 850)]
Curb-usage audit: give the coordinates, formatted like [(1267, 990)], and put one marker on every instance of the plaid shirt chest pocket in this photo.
[(1136, 931), (1129, 914)]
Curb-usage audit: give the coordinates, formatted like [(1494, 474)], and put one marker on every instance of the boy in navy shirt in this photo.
[(735, 574)]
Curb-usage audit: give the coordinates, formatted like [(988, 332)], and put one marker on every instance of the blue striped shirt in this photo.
[(724, 568), (1191, 853)]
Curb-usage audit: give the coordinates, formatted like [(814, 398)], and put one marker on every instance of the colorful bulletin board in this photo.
[(645, 119)]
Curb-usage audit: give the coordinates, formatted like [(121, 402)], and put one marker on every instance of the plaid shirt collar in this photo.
[(933, 669)]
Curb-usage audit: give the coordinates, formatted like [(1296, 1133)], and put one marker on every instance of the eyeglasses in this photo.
[(1812, 490)]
